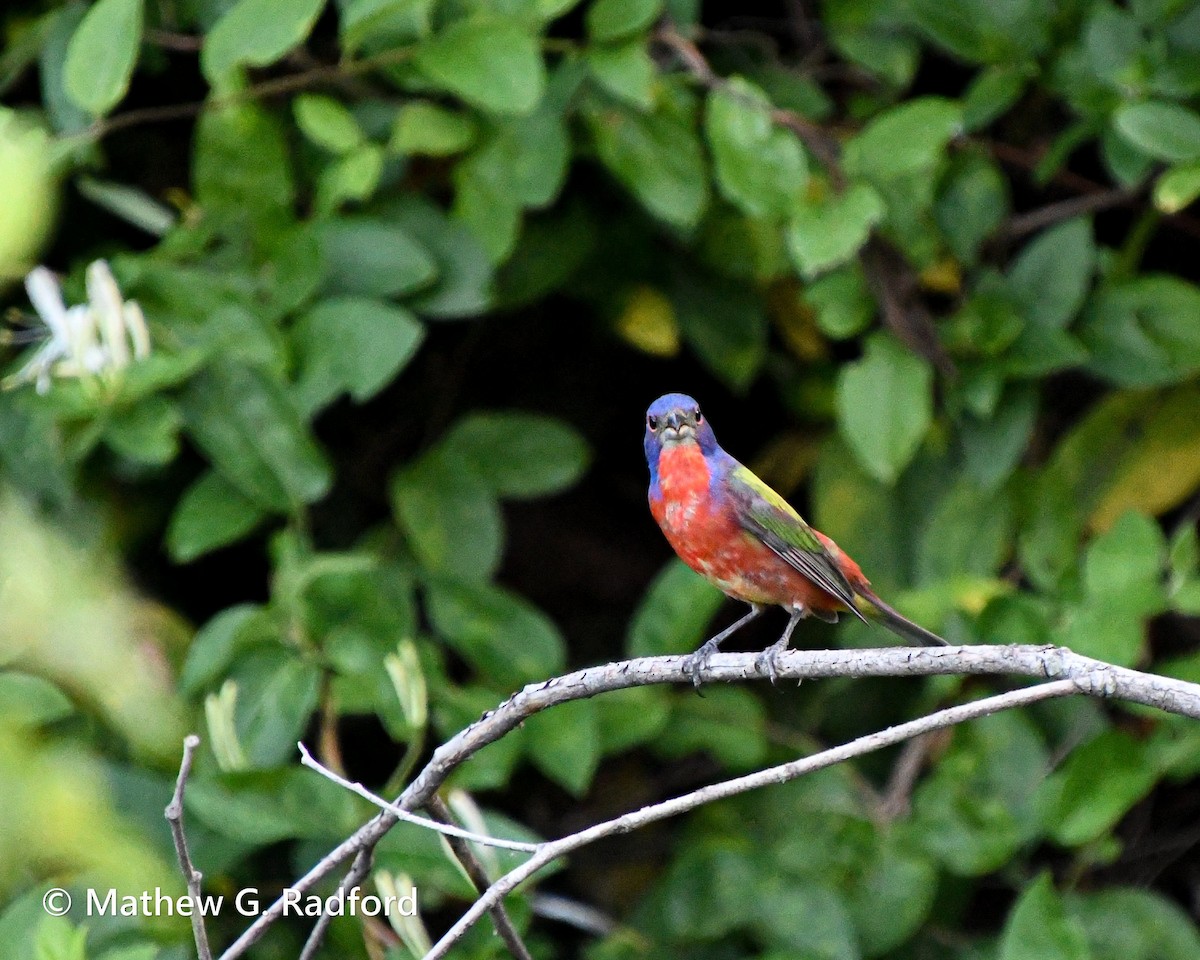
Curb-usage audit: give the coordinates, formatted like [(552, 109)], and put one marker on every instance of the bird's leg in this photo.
[(699, 660), (768, 657)]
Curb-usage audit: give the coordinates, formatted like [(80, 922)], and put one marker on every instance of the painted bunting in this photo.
[(743, 537)]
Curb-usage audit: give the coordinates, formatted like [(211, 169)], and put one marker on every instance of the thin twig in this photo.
[(895, 287), (448, 829), (170, 40), (174, 815), (1034, 220), (478, 876), (898, 794), (762, 778), (258, 91), (356, 875), (1090, 677), (820, 143)]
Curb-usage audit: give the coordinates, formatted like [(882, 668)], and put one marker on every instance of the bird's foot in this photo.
[(768, 659), (696, 663)]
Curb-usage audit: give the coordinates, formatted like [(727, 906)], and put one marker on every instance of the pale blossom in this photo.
[(103, 335)]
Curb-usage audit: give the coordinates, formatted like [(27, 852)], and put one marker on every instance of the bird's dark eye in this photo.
[(652, 422), (699, 416)]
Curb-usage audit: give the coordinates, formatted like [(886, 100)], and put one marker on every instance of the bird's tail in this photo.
[(870, 604)]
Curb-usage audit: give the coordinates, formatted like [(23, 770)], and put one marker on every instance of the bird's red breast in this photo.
[(702, 526)]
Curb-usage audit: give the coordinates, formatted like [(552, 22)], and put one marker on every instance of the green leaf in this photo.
[(759, 166), (1039, 927), (1184, 552), (372, 258), (64, 114), (464, 274), (904, 140), (1052, 275), (28, 701), (710, 890), (507, 639), (517, 454), (277, 694), (817, 925), (891, 897), (630, 717), (626, 70), (255, 33), (1142, 332), (492, 63), (980, 31), (450, 516), (102, 54), (258, 808), (352, 345), (967, 534), (241, 170), (131, 204), (981, 804), (993, 446), (658, 157), (218, 643), (390, 22), (827, 232), (885, 406), (842, 302), (725, 325), (1177, 188), (325, 122), (243, 420), (1131, 552), (675, 614), (59, 939), (352, 177), (1165, 131), (1099, 784), (615, 19), (564, 743), (728, 723), (1124, 924), (992, 93), (524, 161), (147, 432), (425, 128), (211, 513), (972, 204)]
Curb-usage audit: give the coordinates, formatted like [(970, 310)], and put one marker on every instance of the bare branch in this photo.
[(446, 828), (898, 795), (1090, 677), (356, 875), (1034, 220), (193, 877), (820, 143), (323, 73), (719, 791), (466, 856)]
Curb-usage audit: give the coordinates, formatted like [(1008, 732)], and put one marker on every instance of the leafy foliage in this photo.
[(411, 271)]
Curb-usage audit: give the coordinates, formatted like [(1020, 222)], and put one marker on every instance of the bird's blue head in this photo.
[(674, 419)]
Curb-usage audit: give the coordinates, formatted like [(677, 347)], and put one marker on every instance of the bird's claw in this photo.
[(696, 663), (768, 660)]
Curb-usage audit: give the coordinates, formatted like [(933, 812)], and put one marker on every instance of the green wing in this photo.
[(766, 515)]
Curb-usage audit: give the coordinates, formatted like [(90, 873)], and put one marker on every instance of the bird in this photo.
[(747, 540)]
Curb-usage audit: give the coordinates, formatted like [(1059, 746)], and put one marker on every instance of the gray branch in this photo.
[(193, 877), (728, 788), (1086, 675)]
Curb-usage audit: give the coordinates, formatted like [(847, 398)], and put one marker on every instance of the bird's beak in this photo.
[(676, 428)]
